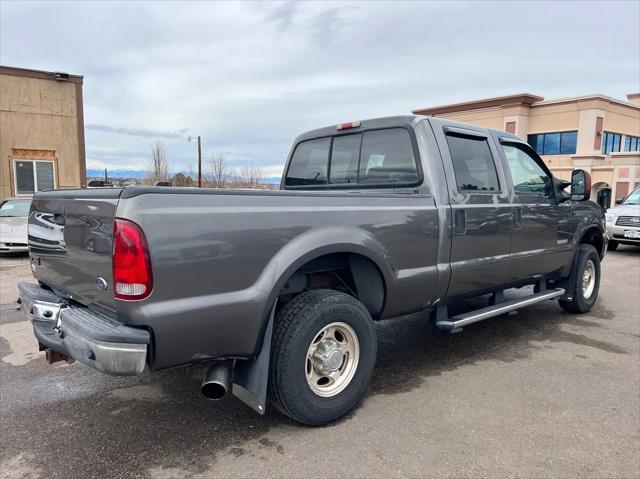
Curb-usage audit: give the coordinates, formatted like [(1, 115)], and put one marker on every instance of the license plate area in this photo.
[(634, 234)]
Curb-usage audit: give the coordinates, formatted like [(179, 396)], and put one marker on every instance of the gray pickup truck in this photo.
[(279, 290)]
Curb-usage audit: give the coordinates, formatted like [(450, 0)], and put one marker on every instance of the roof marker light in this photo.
[(346, 126)]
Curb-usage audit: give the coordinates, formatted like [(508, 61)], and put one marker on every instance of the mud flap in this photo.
[(251, 377), (569, 282)]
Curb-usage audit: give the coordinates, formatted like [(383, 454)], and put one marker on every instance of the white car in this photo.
[(623, 221), (14, 214)]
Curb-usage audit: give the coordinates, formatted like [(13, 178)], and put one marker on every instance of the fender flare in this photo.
[(314, 244)]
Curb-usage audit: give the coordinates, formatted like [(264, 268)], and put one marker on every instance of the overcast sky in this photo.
[(249, 77)]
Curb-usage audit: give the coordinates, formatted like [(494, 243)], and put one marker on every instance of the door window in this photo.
[(473, 164), (31, 176), (527, 175)]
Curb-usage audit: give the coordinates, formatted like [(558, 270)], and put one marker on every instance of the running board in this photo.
[(456, 322)]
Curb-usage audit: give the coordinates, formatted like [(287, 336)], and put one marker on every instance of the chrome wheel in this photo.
[(332, 359), (588, 279)]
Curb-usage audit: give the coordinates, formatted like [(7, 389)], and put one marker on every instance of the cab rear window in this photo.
[(373, 158)]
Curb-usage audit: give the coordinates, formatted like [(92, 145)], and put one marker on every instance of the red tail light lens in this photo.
[(132, 278)]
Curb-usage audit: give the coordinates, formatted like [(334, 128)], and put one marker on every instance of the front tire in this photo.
[(612, 246), (322, 356), (587, 281)]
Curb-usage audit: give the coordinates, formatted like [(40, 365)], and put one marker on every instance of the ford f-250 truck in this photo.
[(279, 290)]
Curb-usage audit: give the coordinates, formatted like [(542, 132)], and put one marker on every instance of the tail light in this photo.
[(132, 278)]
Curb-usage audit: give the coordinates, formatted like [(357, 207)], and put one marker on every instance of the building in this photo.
[(41, 131), (595, 133)]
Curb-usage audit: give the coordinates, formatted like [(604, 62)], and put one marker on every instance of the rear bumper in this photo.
[(91, 338)]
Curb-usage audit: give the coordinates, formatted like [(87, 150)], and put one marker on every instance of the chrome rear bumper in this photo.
[(89, 337)]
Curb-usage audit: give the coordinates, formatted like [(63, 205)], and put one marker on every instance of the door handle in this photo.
[(460, 224), (517, 216)]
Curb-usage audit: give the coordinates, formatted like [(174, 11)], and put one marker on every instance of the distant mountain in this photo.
[(116, 173)]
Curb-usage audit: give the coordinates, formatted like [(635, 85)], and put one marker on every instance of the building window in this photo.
[(611, 142), (558, 143), (631, 143), (30, 176)]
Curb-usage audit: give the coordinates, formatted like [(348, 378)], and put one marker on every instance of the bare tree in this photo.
[(251, 176), (158, 167), (217, 170)]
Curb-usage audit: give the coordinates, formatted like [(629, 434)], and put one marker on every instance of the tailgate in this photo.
[(70, 240)]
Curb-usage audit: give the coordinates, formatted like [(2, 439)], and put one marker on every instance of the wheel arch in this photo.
[(593, 235), (365, 254)]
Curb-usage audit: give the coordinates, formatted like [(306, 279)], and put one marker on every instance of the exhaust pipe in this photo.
[(217, 381)]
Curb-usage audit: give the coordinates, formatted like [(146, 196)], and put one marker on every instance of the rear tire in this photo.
[(322, 356), (612, 246), (587, 281)]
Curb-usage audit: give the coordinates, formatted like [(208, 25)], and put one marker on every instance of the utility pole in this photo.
[(199, 163), (199, 160)]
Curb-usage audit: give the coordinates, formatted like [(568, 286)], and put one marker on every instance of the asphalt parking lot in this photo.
[(543, 393)]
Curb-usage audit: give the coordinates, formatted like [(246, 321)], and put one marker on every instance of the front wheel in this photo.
[(322, 357), (613, 245), (587, 281)]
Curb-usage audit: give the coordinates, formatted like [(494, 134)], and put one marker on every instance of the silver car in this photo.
[(623, 221), (14, 213)]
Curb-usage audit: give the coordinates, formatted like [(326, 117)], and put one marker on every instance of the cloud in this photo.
[(137, 132), (250, 76)]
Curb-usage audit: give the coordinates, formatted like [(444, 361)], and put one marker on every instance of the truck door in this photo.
[(541, 241), (481, 210)]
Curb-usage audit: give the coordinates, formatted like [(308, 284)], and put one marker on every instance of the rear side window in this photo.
[(309, 163), (387, 157), (377, 157), (472, 164)]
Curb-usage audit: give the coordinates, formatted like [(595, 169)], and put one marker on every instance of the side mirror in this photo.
[(619, 201), (580, 185)]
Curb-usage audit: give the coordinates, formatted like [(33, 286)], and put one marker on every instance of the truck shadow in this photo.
[(409, 350), (162, 421)]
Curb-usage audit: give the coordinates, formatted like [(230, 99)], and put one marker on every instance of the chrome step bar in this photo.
[(457, 322)]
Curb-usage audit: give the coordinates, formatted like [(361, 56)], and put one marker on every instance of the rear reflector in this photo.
[(346, 126), (132, 278)]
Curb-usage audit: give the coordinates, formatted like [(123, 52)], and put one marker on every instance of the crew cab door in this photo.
[(481, 209), (541, 241)]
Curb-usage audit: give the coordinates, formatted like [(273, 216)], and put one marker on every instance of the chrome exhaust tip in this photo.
[(217, 381)]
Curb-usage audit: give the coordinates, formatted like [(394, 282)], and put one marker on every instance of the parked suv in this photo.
[(279, 290), (623, 221)]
